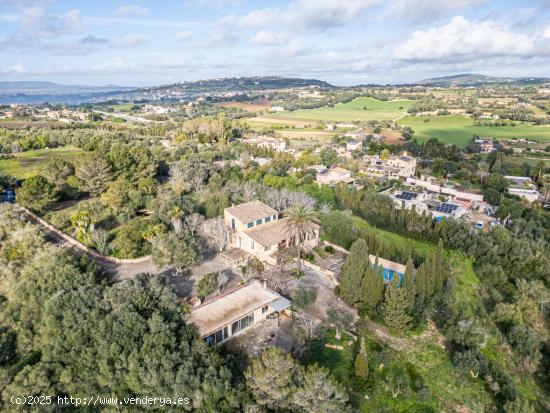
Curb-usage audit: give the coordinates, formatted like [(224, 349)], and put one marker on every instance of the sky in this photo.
[(345, 42)]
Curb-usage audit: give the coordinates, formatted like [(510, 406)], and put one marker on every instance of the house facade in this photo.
[(278, 145), (235, 311), (260, 231), (395, 167)]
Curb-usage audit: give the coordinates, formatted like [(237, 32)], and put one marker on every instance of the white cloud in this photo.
[(258, 18), (298, 15), (462, 39), (16, 69), (184, 35), (112, 65), (37, 21), (131, 40), (415, 11), (266, 38), (314, 14), (91, 39), (131, 10)]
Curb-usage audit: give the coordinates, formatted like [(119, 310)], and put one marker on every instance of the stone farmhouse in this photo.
[(395, 167), (257, 230)]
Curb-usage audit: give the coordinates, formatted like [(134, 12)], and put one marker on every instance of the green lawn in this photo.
[(430, 382), (354, 110), (460, 129), (30, 163)]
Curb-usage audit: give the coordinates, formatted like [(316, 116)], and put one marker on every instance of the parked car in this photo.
[(8, 196)]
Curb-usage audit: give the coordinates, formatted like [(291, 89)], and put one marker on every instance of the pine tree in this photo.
[(395, 307), (352, 274), (272, 378), (372, 288), (320, 392)]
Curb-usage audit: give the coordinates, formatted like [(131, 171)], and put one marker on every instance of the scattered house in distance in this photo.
[(523, 186), (333, 176), (278, 145), (431, 184), (258, 230), (261, 161), (235, 311), (354, 144), (396, 167), (486, 145)]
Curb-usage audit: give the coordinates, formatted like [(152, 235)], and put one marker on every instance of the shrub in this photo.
[(329, 249)]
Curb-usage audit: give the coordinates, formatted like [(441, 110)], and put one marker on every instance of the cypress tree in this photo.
[(361, 362), (421, 290), (354, 269), (395, 307), (409, 285), (441, 270), (372, 288)]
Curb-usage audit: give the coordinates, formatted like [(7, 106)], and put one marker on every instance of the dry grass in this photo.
[(256, 106)]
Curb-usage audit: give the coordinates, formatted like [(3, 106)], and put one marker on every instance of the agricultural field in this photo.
[(460, 129), (353, 111), (30, 163), (518, 160), (256, 106)]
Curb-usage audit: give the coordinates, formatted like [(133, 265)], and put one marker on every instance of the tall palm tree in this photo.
[(483, 170), (301, 220), (539, 171)]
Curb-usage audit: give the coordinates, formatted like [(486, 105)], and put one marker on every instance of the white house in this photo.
[(236, 311), (259, 231)]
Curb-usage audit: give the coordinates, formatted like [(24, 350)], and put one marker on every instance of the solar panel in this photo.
[(446, 208), (406, 196)]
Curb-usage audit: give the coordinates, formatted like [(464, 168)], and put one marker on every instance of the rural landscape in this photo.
[(273, 241)]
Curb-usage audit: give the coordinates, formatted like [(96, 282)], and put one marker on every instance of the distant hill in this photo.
[(39, 88), (469, 79), (40, 92)]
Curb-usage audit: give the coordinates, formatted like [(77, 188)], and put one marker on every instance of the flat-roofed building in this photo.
[(334, 176), (523, 186), (235, 311), (354, 144)]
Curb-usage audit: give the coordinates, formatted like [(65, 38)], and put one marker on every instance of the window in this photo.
[(243, 323), (267, 219), (218, 336), (233, 225), (264, 309), (266, 248), (259, 222), (274, 217), (250, 225), (252, 244)]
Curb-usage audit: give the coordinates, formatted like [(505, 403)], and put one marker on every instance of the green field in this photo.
[(30, 163), (354, 110), (460, 129)]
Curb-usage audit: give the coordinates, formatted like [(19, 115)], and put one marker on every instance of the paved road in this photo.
[(123, 116), (119, 270)]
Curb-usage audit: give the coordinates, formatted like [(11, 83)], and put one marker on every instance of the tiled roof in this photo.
[(251, 211)]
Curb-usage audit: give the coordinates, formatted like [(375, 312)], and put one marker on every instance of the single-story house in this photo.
[(235, 311)]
